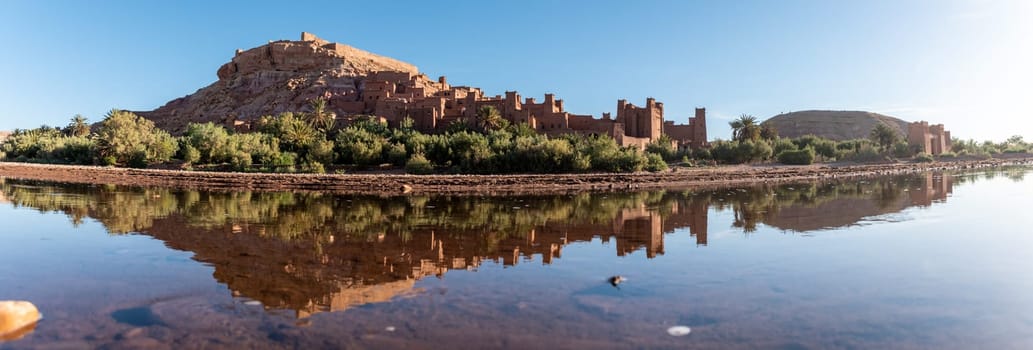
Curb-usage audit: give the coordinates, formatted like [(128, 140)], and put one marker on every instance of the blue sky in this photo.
[(965, 63)]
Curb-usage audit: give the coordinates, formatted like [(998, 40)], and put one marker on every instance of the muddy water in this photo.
[(935, 260)]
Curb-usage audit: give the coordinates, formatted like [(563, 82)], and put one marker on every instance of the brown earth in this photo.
[(388, 184), (835, 125), (281, 76)]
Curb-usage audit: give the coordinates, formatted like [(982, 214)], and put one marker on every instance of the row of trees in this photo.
[(309, 142), (122, 138), (753, 142)]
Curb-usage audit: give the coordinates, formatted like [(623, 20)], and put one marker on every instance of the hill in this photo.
[(836, 125), (277, 77)]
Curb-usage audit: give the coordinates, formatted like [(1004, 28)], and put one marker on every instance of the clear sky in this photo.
[(965, 63)]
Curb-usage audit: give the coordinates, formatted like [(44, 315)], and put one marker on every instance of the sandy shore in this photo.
[(678, 178)]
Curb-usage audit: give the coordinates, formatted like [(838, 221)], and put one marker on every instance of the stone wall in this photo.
[(692, 135)]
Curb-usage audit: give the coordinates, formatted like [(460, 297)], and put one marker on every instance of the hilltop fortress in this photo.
[(284, 75)]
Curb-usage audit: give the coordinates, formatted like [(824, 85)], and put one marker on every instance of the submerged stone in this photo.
[(679, 331), (17, 318)]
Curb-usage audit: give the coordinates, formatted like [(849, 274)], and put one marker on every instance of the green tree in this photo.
[(768, 132), (78, 127), (884, 136), (489, 118), (124, 136), (745, 128), (321, 118), (210, 141), (663, 146)]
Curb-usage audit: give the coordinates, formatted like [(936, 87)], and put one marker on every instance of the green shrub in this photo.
[(321, 151), (663, 146), (359, 146), (313, 168), (138, 159), (783, 144), (736, 152), (655, 163), (923, 158), (396, 154), (124, 135), (797, 157), (581, 163), (1015, 149), (293, 132), (825, 148), (240, 161), (866, 153), (210, 141), (282, 160), (902, 150), (418, 164), (702, 153), (190, 154)]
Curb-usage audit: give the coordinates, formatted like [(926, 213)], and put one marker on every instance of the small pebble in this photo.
[(679, 331), (389, 328), (253, 303)]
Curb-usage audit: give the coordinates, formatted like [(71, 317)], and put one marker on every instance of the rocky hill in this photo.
[(836, 125), (273, 78)]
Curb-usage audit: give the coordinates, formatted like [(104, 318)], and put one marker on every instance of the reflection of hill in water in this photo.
[(886, 198), (313, 253)]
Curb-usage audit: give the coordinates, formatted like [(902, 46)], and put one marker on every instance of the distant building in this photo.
[(931, 139)]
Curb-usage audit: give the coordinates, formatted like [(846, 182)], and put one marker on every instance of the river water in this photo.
[(933, 260)]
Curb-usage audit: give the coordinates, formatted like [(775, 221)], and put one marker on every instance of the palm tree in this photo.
[(884, 136), (321, 118), (745, 128), (489, 118), (78, 126)]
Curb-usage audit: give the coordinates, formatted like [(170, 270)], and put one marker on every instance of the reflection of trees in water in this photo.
[(289, 216), (1015, 173), (312, 252)]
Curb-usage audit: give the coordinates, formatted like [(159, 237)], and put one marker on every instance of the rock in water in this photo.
[(17, 318), (679, 331)]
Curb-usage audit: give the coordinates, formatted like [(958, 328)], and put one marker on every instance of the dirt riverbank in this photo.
[(381, 184)]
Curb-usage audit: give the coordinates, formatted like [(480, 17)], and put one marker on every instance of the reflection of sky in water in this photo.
[(952, 274)]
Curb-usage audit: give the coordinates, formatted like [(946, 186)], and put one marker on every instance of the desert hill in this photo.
[(277, 77), (836, 125)]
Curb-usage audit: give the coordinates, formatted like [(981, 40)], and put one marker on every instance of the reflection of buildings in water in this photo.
[(931, 188), (349, 296), (341, 272), (691, 214)]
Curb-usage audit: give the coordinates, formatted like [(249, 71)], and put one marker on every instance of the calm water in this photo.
[(920, 261)]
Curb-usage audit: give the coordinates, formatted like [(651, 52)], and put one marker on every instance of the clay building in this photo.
[(931, 139), (286, 75), (433, 104)]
